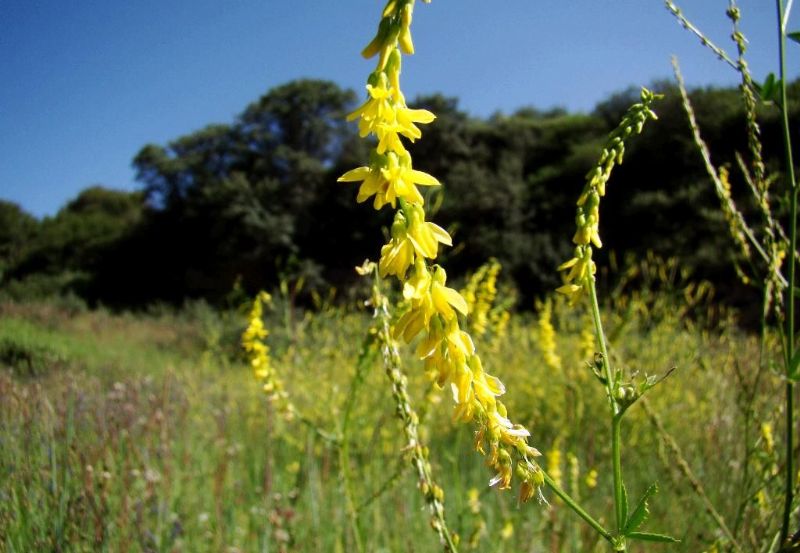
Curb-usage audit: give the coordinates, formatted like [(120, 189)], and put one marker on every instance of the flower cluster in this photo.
[(258, 354), (480, 293), (587, 219), (433, 310), (431, 491), (547, 337)]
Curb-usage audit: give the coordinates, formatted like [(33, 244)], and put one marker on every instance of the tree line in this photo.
[(256, 200)]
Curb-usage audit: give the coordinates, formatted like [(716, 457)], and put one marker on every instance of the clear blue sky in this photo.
[(86, 83)]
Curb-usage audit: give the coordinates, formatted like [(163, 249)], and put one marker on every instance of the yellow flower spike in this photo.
[(433, 308), (554, 464), (587, 220), (547, 336)]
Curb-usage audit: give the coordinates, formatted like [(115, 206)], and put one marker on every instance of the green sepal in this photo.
[(641, 512), (649, 536), (795, 36)]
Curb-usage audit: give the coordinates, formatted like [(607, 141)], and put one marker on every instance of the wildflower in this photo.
[(547, 337), (432, 308), (426, 236), (395, 180), (376, 108), (258, 354), (767, 436), (587, 218), (554, 464)]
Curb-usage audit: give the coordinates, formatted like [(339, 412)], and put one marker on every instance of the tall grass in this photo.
[(157, 447)]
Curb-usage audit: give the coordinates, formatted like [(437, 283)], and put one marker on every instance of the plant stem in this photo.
[(616, 455), (616, 413), (366, 355), (601, 340), (790, 302), (565, 497)]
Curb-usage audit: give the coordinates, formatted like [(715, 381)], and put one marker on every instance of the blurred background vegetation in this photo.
[(255, 201)]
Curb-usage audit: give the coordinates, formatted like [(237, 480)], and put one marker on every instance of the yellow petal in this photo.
[(440, 234), (420, 177), (354, 175), (453, 298)]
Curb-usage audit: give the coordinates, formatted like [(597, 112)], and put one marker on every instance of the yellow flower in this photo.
[(429, 296), (385, 113), (396, 256), (578, 269), (389, 178), (376, 108), (443, 297), (503, 466), (426, 236)]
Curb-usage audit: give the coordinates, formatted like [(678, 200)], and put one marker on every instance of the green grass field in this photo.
[(149, 433)]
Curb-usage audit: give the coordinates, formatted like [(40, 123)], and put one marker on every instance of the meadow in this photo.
[(639, 410), (148, 432)]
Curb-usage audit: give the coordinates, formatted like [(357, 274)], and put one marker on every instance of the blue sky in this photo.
[(86, 83)]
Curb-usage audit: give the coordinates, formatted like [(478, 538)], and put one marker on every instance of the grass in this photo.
[(134, 433)]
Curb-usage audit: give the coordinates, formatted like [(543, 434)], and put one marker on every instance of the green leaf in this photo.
[(641, 512), (648, 536), (793, 364), (769, 90), (795, 36)]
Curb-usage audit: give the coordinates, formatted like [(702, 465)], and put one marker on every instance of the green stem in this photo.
[(790, 302), (352, 514), (616, 413), (601, 340), (565, 497), (616, 454), (364, 358)]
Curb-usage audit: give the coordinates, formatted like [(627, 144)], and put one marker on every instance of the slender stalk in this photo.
[(601, 340), (565, 497), (616, 413), (366, 355), (790, 301), (352, 514), (616, 455)]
